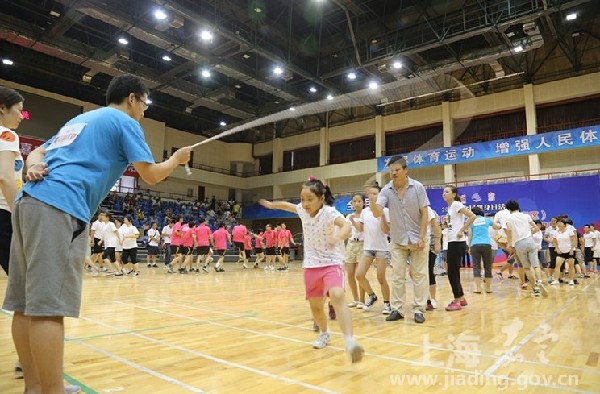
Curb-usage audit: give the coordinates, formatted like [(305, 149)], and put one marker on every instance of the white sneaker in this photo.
[(555, 282), (353, 304), (542, 289), (433, 303), (387, 309), (360, 305), (322, 340), (72, 389), (571, 283), (355, 351)]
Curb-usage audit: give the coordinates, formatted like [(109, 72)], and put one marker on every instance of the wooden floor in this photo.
[(250, 331)]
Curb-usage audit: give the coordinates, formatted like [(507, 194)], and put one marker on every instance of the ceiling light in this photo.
[(205, 74), (222, 124), (351, 76), (148, 102), (123, 41), (397, 64), (166, 58), (292, 109), (312, 89), (277, 70), (572, 16), (258, 10), (330, 97), (160, 15), (246, 56), (519, 48), (237, 86), (54, 14), (7, 62), (206, 35), (373, 85)]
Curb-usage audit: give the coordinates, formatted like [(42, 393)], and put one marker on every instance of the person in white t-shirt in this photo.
[(130, 234), (594, 264), (589, 244), (354, 249), (519, 230), (166, 232), (96, 236), (376, 249), (324, 229), (459, 219), (153, 242), (110, 240)]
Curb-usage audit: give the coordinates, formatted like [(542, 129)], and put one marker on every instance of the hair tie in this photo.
[(312, 178)]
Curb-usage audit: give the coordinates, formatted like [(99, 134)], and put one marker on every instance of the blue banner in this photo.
[(578, 197), (517, 146)]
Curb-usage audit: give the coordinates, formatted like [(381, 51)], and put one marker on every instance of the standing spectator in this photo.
[(407, 201), (153, 243), (166, 235)]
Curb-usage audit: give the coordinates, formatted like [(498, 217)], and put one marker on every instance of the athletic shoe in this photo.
[(395, 315), (387, 309), (360, 305), (555, 282), (370, 302), (536, 292), (419, 318), (453, 306), (136, 273), (149, 265), (72, 389), (245, 266), (154, 265), (204, 269), (355, 351), (322, 340), (331, 312), (512, 277), (18, 371), (353, 304), (499, 274), (571, 283), (463, 302)]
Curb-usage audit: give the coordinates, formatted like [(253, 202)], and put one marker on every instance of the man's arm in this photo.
[(152, 173)]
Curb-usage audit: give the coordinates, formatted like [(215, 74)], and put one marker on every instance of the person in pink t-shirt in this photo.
[(188, 232), (285, 237), (203, 235), (271, 244), (176, 245), (239, 233), (248, 246), (259, 248), (220, 238)]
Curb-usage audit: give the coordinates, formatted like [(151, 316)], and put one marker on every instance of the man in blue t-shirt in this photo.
[(67, 179)]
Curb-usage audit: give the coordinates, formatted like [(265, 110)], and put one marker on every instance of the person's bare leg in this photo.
[(46, 336), (20, 334)]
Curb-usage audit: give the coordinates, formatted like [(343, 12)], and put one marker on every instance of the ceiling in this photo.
[(71, 47)]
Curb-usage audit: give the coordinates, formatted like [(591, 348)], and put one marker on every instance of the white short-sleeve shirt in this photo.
[(318, 252)]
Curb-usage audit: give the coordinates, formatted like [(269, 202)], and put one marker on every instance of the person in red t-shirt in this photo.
[(285, 237), (220, 238)]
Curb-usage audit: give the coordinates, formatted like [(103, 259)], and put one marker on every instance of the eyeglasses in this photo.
[(142, 101)]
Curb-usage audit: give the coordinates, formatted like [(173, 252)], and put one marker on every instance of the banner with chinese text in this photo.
[(517, 146)]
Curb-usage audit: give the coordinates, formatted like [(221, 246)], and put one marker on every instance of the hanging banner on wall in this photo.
[(517, 146), (576, 196)]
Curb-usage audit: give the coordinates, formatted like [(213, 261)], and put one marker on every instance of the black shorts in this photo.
[(5, 236), (220, 252), (175, 249), (109, 253), (588, 255), (285, 251), (97, 248), (270, 251), (185, 250), (129, 256), (566, 256), (202, 250), (258, 250), (239, 246), (152, 250)]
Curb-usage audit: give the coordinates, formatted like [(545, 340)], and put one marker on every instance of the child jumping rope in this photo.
[(323, 259)]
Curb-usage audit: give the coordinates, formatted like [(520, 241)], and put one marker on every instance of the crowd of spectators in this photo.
[(147, 207)]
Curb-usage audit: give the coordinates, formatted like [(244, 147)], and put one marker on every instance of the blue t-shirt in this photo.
[(479, 231), (85, 159)]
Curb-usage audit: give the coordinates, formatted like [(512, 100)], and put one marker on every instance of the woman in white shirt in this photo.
[(565, 243), (130, 235), (354, 250), (457, 245), (376, 248)]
